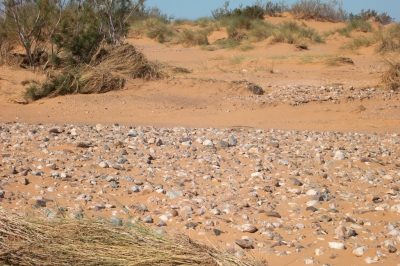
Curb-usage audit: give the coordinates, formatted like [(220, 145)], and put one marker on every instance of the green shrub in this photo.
[(382, 18), (272, 9), (318, 10), (252, 12)]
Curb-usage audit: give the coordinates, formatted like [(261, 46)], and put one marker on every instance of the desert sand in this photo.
[(307, 173)]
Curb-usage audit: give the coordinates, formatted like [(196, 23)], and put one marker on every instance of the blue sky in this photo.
[(193, 9)]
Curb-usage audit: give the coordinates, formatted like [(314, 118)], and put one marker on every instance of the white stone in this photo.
[(359, 252), (336, 245), (319, 252)]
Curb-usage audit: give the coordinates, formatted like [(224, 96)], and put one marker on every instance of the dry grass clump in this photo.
[(100, 82), (192, 37), (391, 77), (33, 241), (126, 59), (388, 39)]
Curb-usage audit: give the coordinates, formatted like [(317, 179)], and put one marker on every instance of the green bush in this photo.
[(318, 10), (382, 18), (252, 12), (272, 9)]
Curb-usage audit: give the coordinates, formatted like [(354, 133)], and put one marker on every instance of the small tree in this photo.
[(114, 15)]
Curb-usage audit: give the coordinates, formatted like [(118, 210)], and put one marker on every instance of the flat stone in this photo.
[(244, 243)]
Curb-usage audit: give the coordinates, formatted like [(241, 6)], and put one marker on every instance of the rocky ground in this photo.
[(291, 197)]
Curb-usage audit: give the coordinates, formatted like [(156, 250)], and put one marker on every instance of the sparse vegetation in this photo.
[(365, 15), (192, 37), (318, 10), (356, 25), (391, 77), (106, 71)]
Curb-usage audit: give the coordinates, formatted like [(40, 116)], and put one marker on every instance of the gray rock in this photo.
[(116, 221), (273, 214), (244, 243), (172, 194), (324, 218), (232, 140), (148, 219)]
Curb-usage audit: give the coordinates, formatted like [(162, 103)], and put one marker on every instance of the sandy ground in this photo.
[(302, 94)]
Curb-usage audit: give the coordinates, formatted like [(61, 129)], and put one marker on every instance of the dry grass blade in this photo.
[(391, 77), (100, 82), (26, 240), (127, 60)]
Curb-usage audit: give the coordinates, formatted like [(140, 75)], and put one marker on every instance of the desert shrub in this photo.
[(356, 25), (272, 9), (80, 35), (388, 39), (390, 79), (192, 37), (318, 10), (221, 12), (158, 29), (261, 30), (382, 18), (252, 12), (238, 26)]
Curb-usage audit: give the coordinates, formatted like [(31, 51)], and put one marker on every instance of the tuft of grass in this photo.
[(356, 25), (246, 47), (390, 79), (227, 43), (192, 37), (292, 33), (388, 39), (261, 30), (359, 42), (237, 59), (204, 22), (210, 48), (180, 22)]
